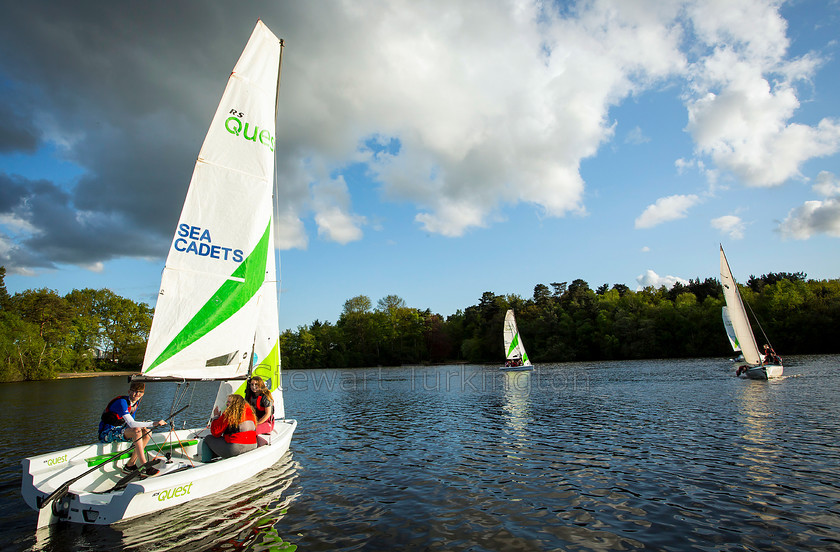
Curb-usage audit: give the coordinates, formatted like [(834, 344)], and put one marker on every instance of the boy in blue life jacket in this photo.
[(118, 424)]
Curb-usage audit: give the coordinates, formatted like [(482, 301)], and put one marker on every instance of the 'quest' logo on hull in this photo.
[(174, 492), (57, 460)]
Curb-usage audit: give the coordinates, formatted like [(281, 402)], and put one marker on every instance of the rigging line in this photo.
[(174, 399), (192, 395), (757, 321), (180, 393), (171, 419)]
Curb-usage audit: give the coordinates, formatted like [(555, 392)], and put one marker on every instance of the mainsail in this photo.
[(219, 282), (514, 348), (738, 315)]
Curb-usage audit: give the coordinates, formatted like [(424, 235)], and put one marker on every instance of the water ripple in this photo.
[(586, 456)]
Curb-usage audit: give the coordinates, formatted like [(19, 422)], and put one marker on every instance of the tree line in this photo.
[(565, 322), (43, 333)]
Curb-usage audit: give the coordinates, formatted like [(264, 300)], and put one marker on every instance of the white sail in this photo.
[(267, 341), (730, 330), (738, 315), (514, 348), (221, 262)]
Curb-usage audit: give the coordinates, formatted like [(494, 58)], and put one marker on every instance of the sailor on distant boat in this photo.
[(770, 356)]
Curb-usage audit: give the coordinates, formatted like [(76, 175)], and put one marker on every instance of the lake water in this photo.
[(660, 455)]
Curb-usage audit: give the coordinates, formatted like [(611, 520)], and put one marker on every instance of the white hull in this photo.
[(763, 372), (182, 479), (516, 368)]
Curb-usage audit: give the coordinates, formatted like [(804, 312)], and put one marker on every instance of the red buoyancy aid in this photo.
[(260, 408), (245, 432), (112, 418)]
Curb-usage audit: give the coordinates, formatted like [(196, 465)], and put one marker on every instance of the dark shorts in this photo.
[(113, 434)]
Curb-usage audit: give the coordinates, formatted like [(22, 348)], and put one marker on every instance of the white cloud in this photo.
[(816, 217), (459, 109), (743, 95), (683, 165), (331, 200), (827, 184), (730, 225), (813, 217), (666, 209), (291, 232), (451, 219), (338, 226), (636, 137), (476, 131), (645, 249), (17, 224), (6, 246), (652, 279), (94, 267)]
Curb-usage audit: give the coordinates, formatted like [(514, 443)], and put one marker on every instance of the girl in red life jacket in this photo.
[(233, 431), (260, 399)]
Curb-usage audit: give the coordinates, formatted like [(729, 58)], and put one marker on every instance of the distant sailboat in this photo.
[(754, 366), (215, 319), (516, 357), (730, 333)]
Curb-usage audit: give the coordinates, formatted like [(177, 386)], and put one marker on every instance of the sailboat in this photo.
[(216, 319), (516, 357), (754, 366), (730, 334)]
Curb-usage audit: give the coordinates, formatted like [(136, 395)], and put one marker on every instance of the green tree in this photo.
[(4, 295), (50, 316), (125, 326)]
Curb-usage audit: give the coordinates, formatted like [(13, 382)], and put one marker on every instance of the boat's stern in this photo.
[(79, 483), (44, 473)]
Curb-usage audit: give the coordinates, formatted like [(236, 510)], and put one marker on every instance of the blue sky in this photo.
[(433, 150)]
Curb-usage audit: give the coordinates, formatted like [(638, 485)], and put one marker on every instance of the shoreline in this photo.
[(68, 375)]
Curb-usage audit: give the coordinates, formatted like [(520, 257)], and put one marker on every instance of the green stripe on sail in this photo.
[(267, 368), (514, 343), (228, 299)]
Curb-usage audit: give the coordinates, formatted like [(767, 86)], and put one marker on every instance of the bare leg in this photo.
[(138, 455)]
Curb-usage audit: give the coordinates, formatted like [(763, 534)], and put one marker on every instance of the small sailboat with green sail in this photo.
[(755, 365), (515, 356), (216, 319)]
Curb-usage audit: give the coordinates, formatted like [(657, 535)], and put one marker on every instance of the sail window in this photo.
[(222, 360)]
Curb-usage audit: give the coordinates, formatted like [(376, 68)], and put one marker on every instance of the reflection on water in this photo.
[(517, 391), (661, 455)]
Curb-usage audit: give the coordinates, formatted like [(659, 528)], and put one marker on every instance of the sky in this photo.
[(432, 150)]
